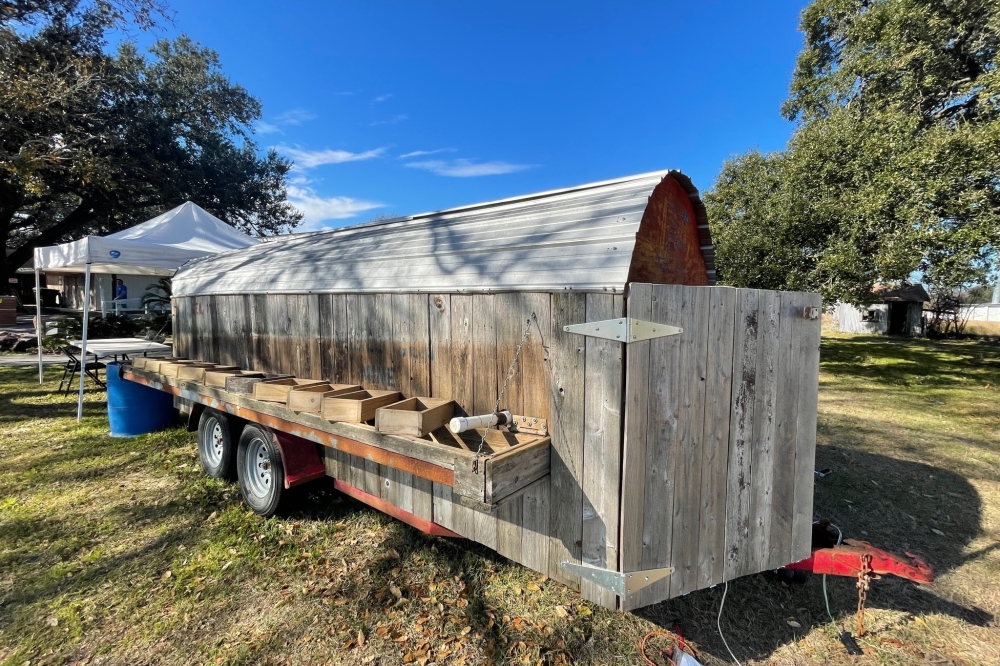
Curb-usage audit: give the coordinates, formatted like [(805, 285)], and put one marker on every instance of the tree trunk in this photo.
[(10, 201)]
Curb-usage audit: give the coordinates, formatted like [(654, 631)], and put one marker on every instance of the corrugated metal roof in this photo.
[(578, 239)]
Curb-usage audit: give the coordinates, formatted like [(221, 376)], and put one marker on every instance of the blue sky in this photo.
[(395, 108)]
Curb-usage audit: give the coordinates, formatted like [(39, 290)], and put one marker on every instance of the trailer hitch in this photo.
[(853, 558), (863, 561)]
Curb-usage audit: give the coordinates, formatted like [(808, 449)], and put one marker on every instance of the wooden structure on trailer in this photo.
[(692, 451)]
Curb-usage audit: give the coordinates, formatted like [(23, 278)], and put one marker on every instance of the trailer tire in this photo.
[(216, 445), (259, 468)]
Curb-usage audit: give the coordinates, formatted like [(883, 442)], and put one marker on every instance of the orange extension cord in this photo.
[(652, 634)]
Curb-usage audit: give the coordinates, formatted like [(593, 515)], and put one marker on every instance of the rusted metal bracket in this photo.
[(625, 330), (622, 584)]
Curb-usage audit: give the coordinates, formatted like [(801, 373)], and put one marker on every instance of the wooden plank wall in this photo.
[(720, 427), (456, 346)]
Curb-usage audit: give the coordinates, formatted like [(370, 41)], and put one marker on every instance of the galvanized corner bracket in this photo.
[(622, 584), (624, 330)]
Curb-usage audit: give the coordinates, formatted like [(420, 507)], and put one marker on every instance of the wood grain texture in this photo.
[(223, 330), (356, 407), (764, 424), (741, 435), (535, 393), (399, 344), (509, 328), (692, 371), (313, 367), (639, 305), (715, 438), (423, 498), (338, 357), (567, 365), (415, 417), (806, 355), (535, 515), (202, 337), (418, 352), (601, 448), (461, 346), (663, 441), (484, 379), (440, 355), (258, 332), (461, 331), (356, 309)]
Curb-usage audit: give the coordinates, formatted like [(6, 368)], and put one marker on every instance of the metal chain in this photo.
[(510, 373), (864, 578)]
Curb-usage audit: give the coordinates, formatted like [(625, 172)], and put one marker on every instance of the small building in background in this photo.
[(898, 311)]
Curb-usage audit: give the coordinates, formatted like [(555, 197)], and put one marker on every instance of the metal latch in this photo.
[(622, 584), (623, 330)]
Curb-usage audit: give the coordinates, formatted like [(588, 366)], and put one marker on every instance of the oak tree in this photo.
[(94, 140)]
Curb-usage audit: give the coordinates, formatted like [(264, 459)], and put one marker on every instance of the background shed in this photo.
[(898, 311)]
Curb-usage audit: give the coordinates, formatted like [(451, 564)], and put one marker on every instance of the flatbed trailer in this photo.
[(674, 420), (311, 447)]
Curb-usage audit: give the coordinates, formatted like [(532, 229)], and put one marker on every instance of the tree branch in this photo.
[(22, 254)]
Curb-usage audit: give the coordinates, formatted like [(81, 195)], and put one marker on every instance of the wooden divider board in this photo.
[(720, 433)]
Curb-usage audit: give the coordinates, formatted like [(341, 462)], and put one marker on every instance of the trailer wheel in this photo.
[(259, 468), (216, 446)]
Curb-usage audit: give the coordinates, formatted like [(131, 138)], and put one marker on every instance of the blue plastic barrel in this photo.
[(134, 409)]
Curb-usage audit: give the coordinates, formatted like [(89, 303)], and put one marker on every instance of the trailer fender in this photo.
[(300, 459), (194, 416)]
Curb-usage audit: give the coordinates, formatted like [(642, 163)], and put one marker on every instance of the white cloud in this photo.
[(464, 168), (294, 117), (317, 209), (284, 119), (422, 153), (381, 98), (392, 121), (308, 159), (264, 127)]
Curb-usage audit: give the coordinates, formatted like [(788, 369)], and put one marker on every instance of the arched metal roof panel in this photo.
[(578, 239)]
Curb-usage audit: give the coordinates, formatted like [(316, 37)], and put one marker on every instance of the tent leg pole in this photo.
[(38, 320), (83, 345)]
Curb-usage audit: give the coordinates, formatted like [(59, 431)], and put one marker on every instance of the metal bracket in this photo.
[(532, 425), (622, 584), (623, 330)]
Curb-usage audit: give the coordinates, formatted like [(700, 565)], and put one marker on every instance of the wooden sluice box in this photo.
[(680, 416)]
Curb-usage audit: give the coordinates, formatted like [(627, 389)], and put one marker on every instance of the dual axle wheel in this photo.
[(253, 459)]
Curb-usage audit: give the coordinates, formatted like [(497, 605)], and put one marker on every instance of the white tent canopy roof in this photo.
[(156, 247)]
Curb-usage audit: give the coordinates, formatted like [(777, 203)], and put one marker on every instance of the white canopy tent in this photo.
[(156, 247)]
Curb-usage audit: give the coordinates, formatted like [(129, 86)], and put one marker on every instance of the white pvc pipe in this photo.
[(38, 320), (463, 423), (83, 344)]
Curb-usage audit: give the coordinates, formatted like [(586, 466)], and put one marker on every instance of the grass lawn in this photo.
[(120, 551)]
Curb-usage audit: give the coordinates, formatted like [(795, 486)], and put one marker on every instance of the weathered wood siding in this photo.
[(720, 428), (693, 451), (455, 346)]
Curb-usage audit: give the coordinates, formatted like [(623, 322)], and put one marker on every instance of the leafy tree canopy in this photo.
[(894, 166), (93, 141)]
